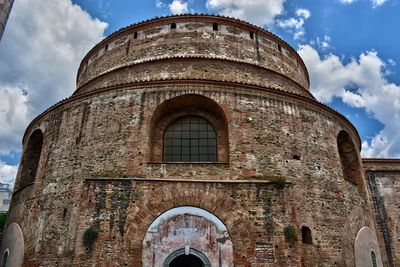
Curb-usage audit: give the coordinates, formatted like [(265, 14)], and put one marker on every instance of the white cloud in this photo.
[(260, 12), (40, 52), (347, 1), (330, 77), (304, 13), (376, 3), (178, 7), (322, 43), (295, 25), (159, 4), (13, 117), (7, 173)]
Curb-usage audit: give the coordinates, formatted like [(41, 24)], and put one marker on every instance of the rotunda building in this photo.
[(191, 140)]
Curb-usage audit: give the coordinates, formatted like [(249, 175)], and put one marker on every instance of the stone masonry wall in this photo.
[(383, 177), (95, 171), (195, 69), (193, 38), (5, 9)]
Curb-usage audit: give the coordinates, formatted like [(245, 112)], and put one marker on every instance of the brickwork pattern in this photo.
[(98, 166), (77, 147), (155, 41), (5, 9), (384, 184)]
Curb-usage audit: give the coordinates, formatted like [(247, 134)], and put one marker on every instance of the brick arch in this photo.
[(350, 160), (206, 197), (30, 159), (188, 105)]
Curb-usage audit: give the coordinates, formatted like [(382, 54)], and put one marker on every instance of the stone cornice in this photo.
[(381, 160), (159, 59)]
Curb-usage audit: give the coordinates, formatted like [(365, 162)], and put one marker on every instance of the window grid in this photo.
[(373, 259), (190, 139)]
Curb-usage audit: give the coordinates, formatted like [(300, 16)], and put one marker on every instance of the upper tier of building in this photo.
[(201, 47)]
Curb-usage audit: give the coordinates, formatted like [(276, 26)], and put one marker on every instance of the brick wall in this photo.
[(101, 165), (383, 177), (5, 9)]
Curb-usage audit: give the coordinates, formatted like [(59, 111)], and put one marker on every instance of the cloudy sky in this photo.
[(351, 49)]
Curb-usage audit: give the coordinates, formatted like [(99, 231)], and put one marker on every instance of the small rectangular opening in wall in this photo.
[(106, 47), (135, 35), (279, 48), (173, 26), (296, 157), (251, 35), (215, 27)]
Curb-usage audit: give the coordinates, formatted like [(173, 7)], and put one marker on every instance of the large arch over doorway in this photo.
[(187, 230)]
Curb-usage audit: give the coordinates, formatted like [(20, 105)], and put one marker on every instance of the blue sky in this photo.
[(350, 47)]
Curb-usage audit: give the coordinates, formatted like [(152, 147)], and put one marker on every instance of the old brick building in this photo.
[(5, 9), (194, 141)]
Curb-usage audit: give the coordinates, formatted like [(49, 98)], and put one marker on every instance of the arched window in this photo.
[(193, 115), (373, 259), (5, 258), (190, 139), (349, 159), (306, 235), (31, 157)]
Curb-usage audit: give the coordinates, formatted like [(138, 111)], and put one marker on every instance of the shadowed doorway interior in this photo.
[(186, 261)]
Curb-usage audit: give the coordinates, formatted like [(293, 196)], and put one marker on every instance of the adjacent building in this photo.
[(5, 9)]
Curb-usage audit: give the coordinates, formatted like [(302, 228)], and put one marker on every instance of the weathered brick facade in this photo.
[(5, 9), (285, 163), (383, 176)]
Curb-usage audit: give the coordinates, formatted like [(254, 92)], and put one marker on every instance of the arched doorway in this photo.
[(185, 261), (187, 257), (184, 235)]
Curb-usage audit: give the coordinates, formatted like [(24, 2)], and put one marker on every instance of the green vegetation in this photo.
[(278, 181), (290, 234), (90, 236), (3, 218)]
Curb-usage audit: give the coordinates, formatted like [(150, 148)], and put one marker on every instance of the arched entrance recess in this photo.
[(365, 243), (187, 257), (185, 234)]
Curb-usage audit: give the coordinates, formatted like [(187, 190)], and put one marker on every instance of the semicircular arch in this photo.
[(188, 105)]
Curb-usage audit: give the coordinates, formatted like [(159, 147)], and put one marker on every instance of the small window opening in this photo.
[(5, 258), (306, 235), (106, 47), (135, 35), (373, 259), (296, 157), (64, 213), (280, 48), (251, 35), (215, 26), (173, 26)]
